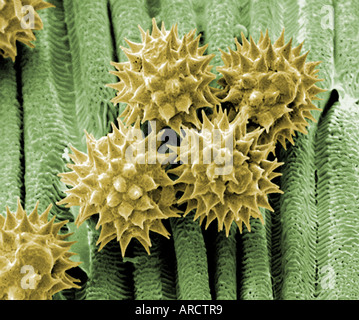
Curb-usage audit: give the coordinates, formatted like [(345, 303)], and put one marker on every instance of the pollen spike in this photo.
[(245, 43), (296, 51), (265, 41), (286, 50), (280, 41)]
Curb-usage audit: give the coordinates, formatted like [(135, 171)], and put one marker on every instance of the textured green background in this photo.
[(307, 249)]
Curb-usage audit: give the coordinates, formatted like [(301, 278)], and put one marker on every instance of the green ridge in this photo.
[(110, 277), (11, 169), (225, 273), (168, 269), (147, 273), (346, 24), (180, 12), (46, 120), (298, 230), (337, 164), (290, 18), (274, 232), (92, 51), (61, 69), (298, 219), (221, 23), (244, 7), (254, 266), (260, 16), (153, 274), (191, 256), (125, 18), (319, 39)]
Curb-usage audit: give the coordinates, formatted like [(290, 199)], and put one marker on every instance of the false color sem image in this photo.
[(179, 150)]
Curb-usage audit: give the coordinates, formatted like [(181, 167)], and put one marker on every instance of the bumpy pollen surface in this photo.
[(217, 187), (166, 79), (12, 23), (271, 85), (123, 182), (34, 258)]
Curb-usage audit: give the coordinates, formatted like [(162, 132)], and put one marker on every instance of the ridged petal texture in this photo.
[(230, 177), (166, 78), (271, 85), (34, 258), (124, 183), (10, 131), (16, 26)]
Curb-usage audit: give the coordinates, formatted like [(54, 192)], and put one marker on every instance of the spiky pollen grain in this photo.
[(34, 258), (122, 182), (271, 85), (13, 26), (166, 79), (229, 177)]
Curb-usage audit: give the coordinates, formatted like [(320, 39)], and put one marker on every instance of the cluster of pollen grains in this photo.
[(124, 182), (225, 174), (166, 79), (271, 85), (15, 26), (34, 258)]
